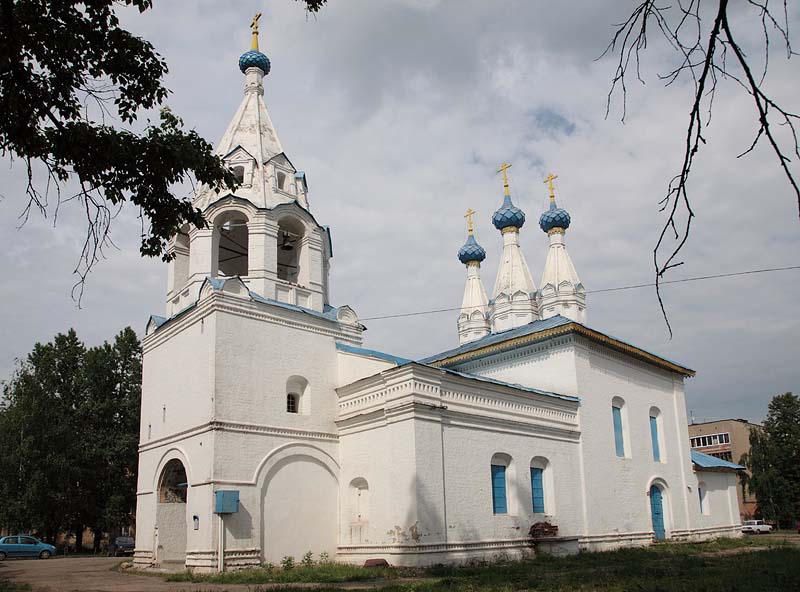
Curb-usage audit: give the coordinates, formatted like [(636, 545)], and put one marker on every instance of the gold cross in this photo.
[(254, 26), (549, 180), (503, 168), (470, 213)]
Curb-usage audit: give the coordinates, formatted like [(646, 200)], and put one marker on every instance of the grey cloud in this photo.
[(400, 113)]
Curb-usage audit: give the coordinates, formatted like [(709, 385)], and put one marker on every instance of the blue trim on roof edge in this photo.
[(529, 329), (351, 349), (404, 361), (706, 461)]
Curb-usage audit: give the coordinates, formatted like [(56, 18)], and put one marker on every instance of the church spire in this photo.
[(562, 291), (251, 146), (472, 319), (514, 296)]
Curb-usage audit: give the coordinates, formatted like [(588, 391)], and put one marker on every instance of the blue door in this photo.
[(657, 513)]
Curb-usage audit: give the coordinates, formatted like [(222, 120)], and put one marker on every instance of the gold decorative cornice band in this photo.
[(564, 330), (556, 230), (473, 263), (508, 229)]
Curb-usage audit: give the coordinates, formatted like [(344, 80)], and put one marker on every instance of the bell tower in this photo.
[(263, 232)]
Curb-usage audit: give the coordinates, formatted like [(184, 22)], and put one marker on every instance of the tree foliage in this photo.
[(706, 37), (69, 434), (68, 74), (774, 461)]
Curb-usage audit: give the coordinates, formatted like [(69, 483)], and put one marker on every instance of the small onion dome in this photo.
[(254, 59), (471, 251), (508, 215), (555, 217)]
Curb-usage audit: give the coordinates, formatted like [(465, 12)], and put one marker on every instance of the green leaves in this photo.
[(774, 461), (69, 431), (65, 64)]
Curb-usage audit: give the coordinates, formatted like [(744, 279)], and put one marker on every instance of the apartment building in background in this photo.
[(727, 439)]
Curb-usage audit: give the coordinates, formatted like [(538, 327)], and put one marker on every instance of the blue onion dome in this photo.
[(254, 59), (471, 251), (508, 215), (554, 217)]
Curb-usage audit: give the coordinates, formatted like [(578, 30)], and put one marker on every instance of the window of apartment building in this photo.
[(711, 440)]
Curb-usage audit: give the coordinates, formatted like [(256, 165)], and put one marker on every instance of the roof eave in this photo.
[(572, 327)]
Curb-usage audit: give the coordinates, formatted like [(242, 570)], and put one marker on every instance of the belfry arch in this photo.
[(231, 244), (291, 232)]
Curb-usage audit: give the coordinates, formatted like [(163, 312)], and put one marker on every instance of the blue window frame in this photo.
[(619, 442), (537, 489), (654, 438), (499, 503)]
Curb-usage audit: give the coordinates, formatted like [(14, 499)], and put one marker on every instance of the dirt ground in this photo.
[(93, 574)]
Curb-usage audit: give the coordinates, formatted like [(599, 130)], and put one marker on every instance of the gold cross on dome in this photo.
[(468, 216), (254, 26), (503, 169), (549, 181)]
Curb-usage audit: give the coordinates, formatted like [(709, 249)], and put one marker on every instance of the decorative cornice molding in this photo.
[(229, 426), (568, 328)]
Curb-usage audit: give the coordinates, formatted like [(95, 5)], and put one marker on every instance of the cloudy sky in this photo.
[(400, 112)]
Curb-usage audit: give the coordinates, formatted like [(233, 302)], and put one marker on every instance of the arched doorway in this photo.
[(171, 513), (657, 512), (300, 509)]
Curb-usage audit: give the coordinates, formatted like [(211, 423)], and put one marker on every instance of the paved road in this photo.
[(93, 574)]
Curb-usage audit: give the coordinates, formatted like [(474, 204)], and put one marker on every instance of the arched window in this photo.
[(297, 399), (618, 419), (702, 493), (173, 485), (500, 471), (541, 486), (281, 181), (290, 245), (655, 433), (238, 174), (232, 245)]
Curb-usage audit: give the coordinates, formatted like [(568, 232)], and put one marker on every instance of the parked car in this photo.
[(25, 546), (122, 545), (756, 527)]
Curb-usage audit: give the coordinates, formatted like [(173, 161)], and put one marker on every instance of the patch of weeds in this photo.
[(9, 586)]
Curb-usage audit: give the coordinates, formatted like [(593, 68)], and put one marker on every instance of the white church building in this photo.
[(257, 388)]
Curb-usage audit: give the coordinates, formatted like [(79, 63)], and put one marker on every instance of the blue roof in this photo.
[(403, 361), (254, 59), (542, 325), (471, 251), (706, 461), (508, 215), (554, 217), (329, 313), (351, 349), (494, 338)]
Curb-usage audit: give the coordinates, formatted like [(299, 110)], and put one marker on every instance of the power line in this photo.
[(631, 287)]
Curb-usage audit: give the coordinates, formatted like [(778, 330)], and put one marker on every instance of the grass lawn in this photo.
[(8, 586), (748, 564)]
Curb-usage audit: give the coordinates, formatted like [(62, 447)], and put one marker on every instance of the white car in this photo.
[(756, 527)]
